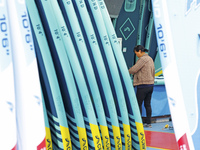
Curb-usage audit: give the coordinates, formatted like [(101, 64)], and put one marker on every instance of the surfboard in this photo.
[(48, 138), (142, 24), (159, 78), (8, 127), (147, 38), (76, 66), (72, 114), (112, 71), (145, 9), (176, 34), (75, 63), (55, 129), (29, 109), (71, 101), (49, 142), (152, 46), (81, 50), (133, 110), (88, 111), (100, 72), (127, 29), (151, 42)]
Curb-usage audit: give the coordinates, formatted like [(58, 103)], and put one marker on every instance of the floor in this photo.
[(161, 136)]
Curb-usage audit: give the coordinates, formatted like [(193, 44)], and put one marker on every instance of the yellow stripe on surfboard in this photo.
[(83, 138), (48, 139), (105, 137), (159, 73), (127, 136), (117, 137), (67, 144), (96, 136), (141, 135)]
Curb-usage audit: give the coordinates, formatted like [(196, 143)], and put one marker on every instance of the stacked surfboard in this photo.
[(68, 83), (87, 91)]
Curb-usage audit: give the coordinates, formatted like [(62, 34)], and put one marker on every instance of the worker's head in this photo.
[(140, 50), (140, 47)]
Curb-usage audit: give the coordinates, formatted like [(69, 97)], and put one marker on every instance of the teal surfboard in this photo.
[(151, 42), (100, 72), (145, 11), (159, 78), (58, 48), (8, 127), (147, 38), (48, 139), (137, 131), (78, 72), (71, 102), (54, 122), (83, 57), (53, 99), (146, 29), (127, 28), (112, 71), (144, 15)]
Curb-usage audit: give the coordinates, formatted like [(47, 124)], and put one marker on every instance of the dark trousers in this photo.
[(144, 94)]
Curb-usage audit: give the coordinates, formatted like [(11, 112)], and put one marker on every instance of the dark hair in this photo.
[(140, 47)]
